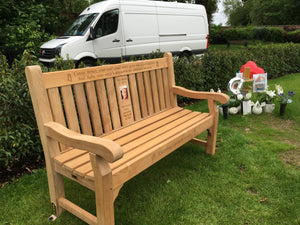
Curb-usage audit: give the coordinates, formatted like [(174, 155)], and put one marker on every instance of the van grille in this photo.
[(47, 53)]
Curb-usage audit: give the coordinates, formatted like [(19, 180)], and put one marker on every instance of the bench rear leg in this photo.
[(103, 191)]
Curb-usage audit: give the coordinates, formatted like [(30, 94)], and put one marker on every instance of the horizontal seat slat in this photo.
[(136, 126), (157, 132), (83, 170), (151, 127), (77, 162), (68, 155)]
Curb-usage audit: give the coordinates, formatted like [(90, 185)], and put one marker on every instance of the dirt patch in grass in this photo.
[(292, 157)]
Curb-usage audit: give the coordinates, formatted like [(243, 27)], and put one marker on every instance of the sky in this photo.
[(219, 16)]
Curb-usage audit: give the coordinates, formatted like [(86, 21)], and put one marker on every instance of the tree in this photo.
[(258, 12)]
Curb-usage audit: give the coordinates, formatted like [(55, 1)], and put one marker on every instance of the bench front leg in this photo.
[(103, 190), (212, 131)]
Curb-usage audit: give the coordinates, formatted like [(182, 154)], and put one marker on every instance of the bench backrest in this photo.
[(90, 100)]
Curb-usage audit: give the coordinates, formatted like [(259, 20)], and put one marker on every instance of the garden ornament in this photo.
[(235, 84), (257, 108)]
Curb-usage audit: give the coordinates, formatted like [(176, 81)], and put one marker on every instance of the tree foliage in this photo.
[(27, 24), (257, 12)]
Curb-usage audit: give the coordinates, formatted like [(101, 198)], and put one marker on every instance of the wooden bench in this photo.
[(96, 137)]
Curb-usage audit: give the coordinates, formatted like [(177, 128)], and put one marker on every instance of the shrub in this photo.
[(238, 34), (293, 36), (277, 34), (217, 35), (261, 33), (19, 140)]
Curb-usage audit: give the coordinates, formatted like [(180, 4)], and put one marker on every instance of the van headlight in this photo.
[(58, 49)]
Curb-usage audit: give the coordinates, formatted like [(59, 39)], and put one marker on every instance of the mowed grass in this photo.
[(252, 179)]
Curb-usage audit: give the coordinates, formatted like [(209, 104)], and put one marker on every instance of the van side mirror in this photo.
[(92, 33)]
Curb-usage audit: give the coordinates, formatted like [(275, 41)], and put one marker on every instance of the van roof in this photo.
[(100, 7)]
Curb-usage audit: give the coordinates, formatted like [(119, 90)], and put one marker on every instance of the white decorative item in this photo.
[(269, 107), (257, 108), (247, 106), (233, 110), (235, 84)]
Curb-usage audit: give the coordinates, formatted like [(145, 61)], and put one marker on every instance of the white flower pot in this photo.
[(269, 108)]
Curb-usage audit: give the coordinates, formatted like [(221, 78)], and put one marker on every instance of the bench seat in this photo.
[(170, 128)]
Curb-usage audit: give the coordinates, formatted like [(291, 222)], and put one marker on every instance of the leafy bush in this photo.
[(217, 35), (261, 33), (19, 140), (277, 34), (272, 34), (238, 34), (293, 36), (218, 67)]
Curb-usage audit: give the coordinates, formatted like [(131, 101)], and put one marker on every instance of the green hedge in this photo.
[(268, 34), (293, 36), (19, 139), (218, 67)]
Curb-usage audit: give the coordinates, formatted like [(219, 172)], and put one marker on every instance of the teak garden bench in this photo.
[(101, 126)]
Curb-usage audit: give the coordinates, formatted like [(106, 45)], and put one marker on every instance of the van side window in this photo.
[(107, 24)]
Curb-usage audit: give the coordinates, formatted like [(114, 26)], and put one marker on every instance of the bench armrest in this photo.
[(220, 97), (107, 149)]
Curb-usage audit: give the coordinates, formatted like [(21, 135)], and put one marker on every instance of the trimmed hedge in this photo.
[(19, 139), (268, 34), (218, 67)]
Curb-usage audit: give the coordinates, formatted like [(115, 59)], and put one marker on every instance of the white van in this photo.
[(114, 30)]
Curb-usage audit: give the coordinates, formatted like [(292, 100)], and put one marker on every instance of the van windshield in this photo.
[(81, 25)]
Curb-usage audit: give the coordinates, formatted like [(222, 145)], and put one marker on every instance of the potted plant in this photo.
[(266, 99), (283, 99)]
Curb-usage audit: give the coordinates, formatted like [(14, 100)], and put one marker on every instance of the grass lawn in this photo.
[(254, 178)]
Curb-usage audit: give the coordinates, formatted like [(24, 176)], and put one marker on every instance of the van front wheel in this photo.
[(185, 54), (87, 62)]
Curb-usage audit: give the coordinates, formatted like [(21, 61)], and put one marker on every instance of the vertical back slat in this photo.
[(56, 106), (148, 93), (94, 108), (124, 100), (154, 91), (113, 105), (57, 110), (166, 87), (103, 103), (70, 109), (134, 97), (141, 89), (160, 86), (83, 112)]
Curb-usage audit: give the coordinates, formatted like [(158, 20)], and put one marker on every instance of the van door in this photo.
[(108, 36), (140, 29)]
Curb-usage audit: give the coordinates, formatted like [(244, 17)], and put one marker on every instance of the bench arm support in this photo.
[(107, 149), (220, 97)]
